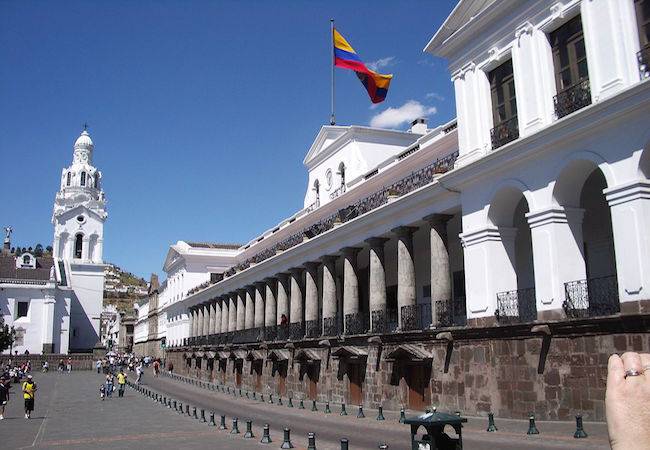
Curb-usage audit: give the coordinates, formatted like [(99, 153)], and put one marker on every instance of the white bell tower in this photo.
[(78, 218), (80, 208)]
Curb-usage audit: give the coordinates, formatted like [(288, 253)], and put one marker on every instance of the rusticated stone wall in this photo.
[(554, 376)]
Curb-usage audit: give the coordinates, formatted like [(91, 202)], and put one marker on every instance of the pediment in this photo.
[(350, 352), (306, 355), (327, 135), (79, 209), (171, 258), (409, 352)]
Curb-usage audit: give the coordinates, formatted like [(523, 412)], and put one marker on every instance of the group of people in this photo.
[(29, 395), (107, 388)]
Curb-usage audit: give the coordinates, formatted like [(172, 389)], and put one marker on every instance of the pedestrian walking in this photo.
[(69, 365), (29, 395), (109, 386), (121, 382), (61, 366), (4, 396), (139, 370), (98, 365), (156, 368)]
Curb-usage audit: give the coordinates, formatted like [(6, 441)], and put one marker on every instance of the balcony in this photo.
[(516, 306), (572, 98), (643, 56), (248, 336), (296, 331), (416, 317), (451, 313), (331, 326), (384, 321), (592, 297), (505, 132), (312, 328), (356, 323)]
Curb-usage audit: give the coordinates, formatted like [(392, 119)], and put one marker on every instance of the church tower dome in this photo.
[(84, 141)]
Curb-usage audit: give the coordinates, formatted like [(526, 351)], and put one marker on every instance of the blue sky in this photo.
[(201, 111)]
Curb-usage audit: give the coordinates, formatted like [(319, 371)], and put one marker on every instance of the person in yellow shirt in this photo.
[(121, 381), (29, 394)]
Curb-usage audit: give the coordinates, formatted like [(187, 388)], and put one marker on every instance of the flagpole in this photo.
[(332, 118)]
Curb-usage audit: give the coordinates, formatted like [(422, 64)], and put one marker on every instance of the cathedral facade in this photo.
[(54, 302)]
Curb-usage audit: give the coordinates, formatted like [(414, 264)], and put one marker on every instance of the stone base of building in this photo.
[(80, 361), (508, 370), (48, 348)]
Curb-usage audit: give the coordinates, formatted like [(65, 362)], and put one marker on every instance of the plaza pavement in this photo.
[(70, 415)]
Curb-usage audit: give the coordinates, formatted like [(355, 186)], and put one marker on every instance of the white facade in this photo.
[(63, 305)]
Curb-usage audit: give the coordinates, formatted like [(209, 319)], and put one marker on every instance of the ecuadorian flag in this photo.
[(345, 57)]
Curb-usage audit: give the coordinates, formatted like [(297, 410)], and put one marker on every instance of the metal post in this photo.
[(203, 415), (491, 426), (301, 405), (344, 444), (343, 411), (360, 414), (311, 441), (222, 423), (580, 431), (327, 408), (194, 413), (212, 423), (286, 443), (313, 405), (332, 117), (532, 429), (279, 401), (266, 435), (380, 414), (235, 428), (290, 404), (249, 429), (402, 415)]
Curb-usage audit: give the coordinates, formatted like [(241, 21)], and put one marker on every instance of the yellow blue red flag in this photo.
[(345, 57)]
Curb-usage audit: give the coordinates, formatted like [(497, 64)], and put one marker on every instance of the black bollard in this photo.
[(235, 428), (327, 408), (212, 423), (271, 398), (580, 431), (360, 414), (344, 444), (311, 441), (491, 426), (286, 443), (247, 394), (222, 423), (402, 415), (266, 436), (343, 410), (187, 410), (262, 398), (203, 416), (380, 414), (301, 405), (532, 429), (175, 407), (240, 392), (313, 405), (194, 413), (180, 408), (249, 429), (254, 395), (290, 403), (279, 401)]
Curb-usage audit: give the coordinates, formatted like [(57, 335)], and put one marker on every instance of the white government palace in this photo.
[(54, 302), (526, 218)]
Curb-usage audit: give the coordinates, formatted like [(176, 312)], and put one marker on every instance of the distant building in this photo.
[(54, 303)]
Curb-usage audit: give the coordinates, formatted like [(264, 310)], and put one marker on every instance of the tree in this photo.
[(19, 251), (6, 335), (49, 249), (38, 250)]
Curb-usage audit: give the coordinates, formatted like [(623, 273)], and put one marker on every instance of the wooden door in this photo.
[(313, 384), (415, 378), (238, 371), (257, 369), (356, 392), (281, 383)]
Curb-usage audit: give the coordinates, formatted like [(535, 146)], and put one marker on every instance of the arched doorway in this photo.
[(515, 299), (580, 186)]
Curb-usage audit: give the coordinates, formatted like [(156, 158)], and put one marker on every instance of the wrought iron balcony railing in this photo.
[(505, 132), (592, 297), (356, 323), (312, 328), (296, 331), (644, 61), (331, 326), (283, 332), (384, 321), (271, 333), (338, 191), (517, 306), (572, 98), (416, 317), (451, 313), (248, 336)]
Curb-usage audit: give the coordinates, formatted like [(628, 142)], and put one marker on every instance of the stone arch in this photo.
[(504, 199), (572, 174), (644, 163)]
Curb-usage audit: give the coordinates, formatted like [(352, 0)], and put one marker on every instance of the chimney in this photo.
[(419, 126)]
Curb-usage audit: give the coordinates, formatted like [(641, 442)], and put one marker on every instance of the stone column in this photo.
[(206, 318), (405, 270), (233, 299), (241, 309), (311, 299), (270, 312), (440, 275), (249, 318), (195, 321), (350, 284), (199, 319), (283, 298), (216, 304), (49, 302), (377, 284), (330, 305), (260, 288), (190, 315), (225, 313), (296, 313)]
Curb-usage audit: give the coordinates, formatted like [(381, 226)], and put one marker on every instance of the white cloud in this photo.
[(427, 62), (435, 96), (394, 117), (381, 63)]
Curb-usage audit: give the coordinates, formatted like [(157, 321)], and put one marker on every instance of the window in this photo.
[(317, 191), (21, 309), (68, 179), (571, 72), (83, 178), (504, 104), (78, 245), (342, 173)]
